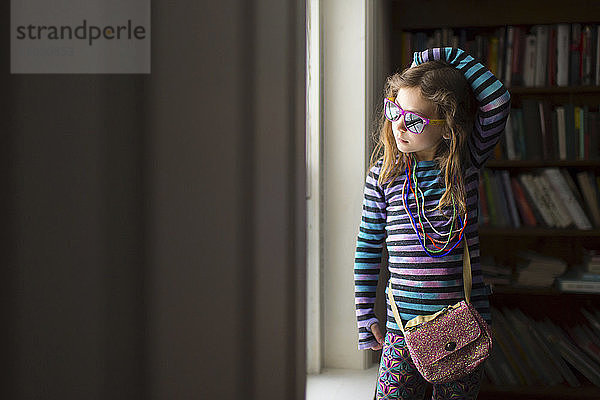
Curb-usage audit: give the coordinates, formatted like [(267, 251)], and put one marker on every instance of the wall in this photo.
[(154, 226), (344, 122)]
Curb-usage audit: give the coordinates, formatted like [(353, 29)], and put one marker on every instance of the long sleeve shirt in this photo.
[(422, 284)]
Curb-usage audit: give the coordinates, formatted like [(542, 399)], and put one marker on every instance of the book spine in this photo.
[(587, 55), (589, 196), (562, 54), (487, 184), (530, 188), (575, 55), (510, 139), (579, 286), (551, 78), (516, 223), (541, 54), (560, 186), (510, 35), (561, 132), (527, 214), (529, 62), (532, 129), (562, 216)]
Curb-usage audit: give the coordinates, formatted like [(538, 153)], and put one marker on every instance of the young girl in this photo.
[(442, 118)]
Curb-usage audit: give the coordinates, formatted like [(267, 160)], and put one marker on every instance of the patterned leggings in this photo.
[(399, 379)]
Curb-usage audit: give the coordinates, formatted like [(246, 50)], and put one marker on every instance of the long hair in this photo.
[(454, 102)]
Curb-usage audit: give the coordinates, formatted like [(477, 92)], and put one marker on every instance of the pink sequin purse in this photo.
[(451, 343)]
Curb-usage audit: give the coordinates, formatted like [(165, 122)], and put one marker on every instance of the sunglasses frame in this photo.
[(426, 120)]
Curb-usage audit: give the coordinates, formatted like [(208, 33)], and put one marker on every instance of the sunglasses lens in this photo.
[(392, 111), (414, 123)]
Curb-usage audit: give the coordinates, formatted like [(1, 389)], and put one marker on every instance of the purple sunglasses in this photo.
[(414, 123)]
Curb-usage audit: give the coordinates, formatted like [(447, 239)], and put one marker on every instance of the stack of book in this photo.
[(578, 279), (538, 130), (584, 278), (535, 270), (495, 273), (540, 55), (541, 353), (547, 197), (591, 260)]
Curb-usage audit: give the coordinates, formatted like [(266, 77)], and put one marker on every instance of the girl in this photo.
[(442, 118)]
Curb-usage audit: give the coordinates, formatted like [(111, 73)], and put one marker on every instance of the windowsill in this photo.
[(342, 384)]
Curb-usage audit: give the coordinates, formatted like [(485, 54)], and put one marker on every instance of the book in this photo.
[(548, 337), (525, 211), (518, 55), (490, 200), (510, 199), (591, 261), (570, 134), (500, 358), (552, 360), (541, 54), (567, 197), (561, 132), (587, 55), (563, 42), (590, 196), (531, 351), (542, 201), (534, 198), (557, 208), (536, 270), (500, 200), (551, 76), (532, 129), (584, 342), (513, 349), (529, 62), (597, 42), (511, 153), (572, 281), (510, 37), (545, 112), (593, 147), (575, 55), (576, 357)]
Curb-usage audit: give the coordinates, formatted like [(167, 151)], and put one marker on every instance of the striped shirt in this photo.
[(422, 284)]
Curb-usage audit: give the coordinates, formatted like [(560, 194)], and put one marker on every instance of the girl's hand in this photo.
[(378, 336)]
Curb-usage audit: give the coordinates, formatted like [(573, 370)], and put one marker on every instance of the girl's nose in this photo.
[(400, 124)]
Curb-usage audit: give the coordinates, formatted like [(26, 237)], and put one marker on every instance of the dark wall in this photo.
[(154, 226)]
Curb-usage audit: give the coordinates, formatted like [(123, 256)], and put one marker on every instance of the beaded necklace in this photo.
[(410, 184)]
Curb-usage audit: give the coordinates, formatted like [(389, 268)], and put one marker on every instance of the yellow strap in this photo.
[(467, 283)]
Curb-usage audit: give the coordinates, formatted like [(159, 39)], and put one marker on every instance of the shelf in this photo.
[(554, 90), (544, 392), (535, 291), (535, 232), (542, 163)]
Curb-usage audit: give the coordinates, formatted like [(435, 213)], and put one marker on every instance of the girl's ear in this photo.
[(447, 134)]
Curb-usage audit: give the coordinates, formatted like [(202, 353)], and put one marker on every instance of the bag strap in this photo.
[(467, 283)]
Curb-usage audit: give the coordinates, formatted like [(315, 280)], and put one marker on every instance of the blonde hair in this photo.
[(454, 102)]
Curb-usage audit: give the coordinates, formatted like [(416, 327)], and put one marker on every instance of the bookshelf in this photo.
[(567, 243)]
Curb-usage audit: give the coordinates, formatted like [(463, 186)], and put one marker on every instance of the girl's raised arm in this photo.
[(492, 97), (367, 259)]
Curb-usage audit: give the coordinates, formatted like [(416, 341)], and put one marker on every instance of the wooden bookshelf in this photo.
[(567, 244), (557, 392), (520, 90), (528, 164), (537, 232)]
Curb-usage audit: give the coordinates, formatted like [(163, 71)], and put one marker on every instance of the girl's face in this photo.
[(424, 144)]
